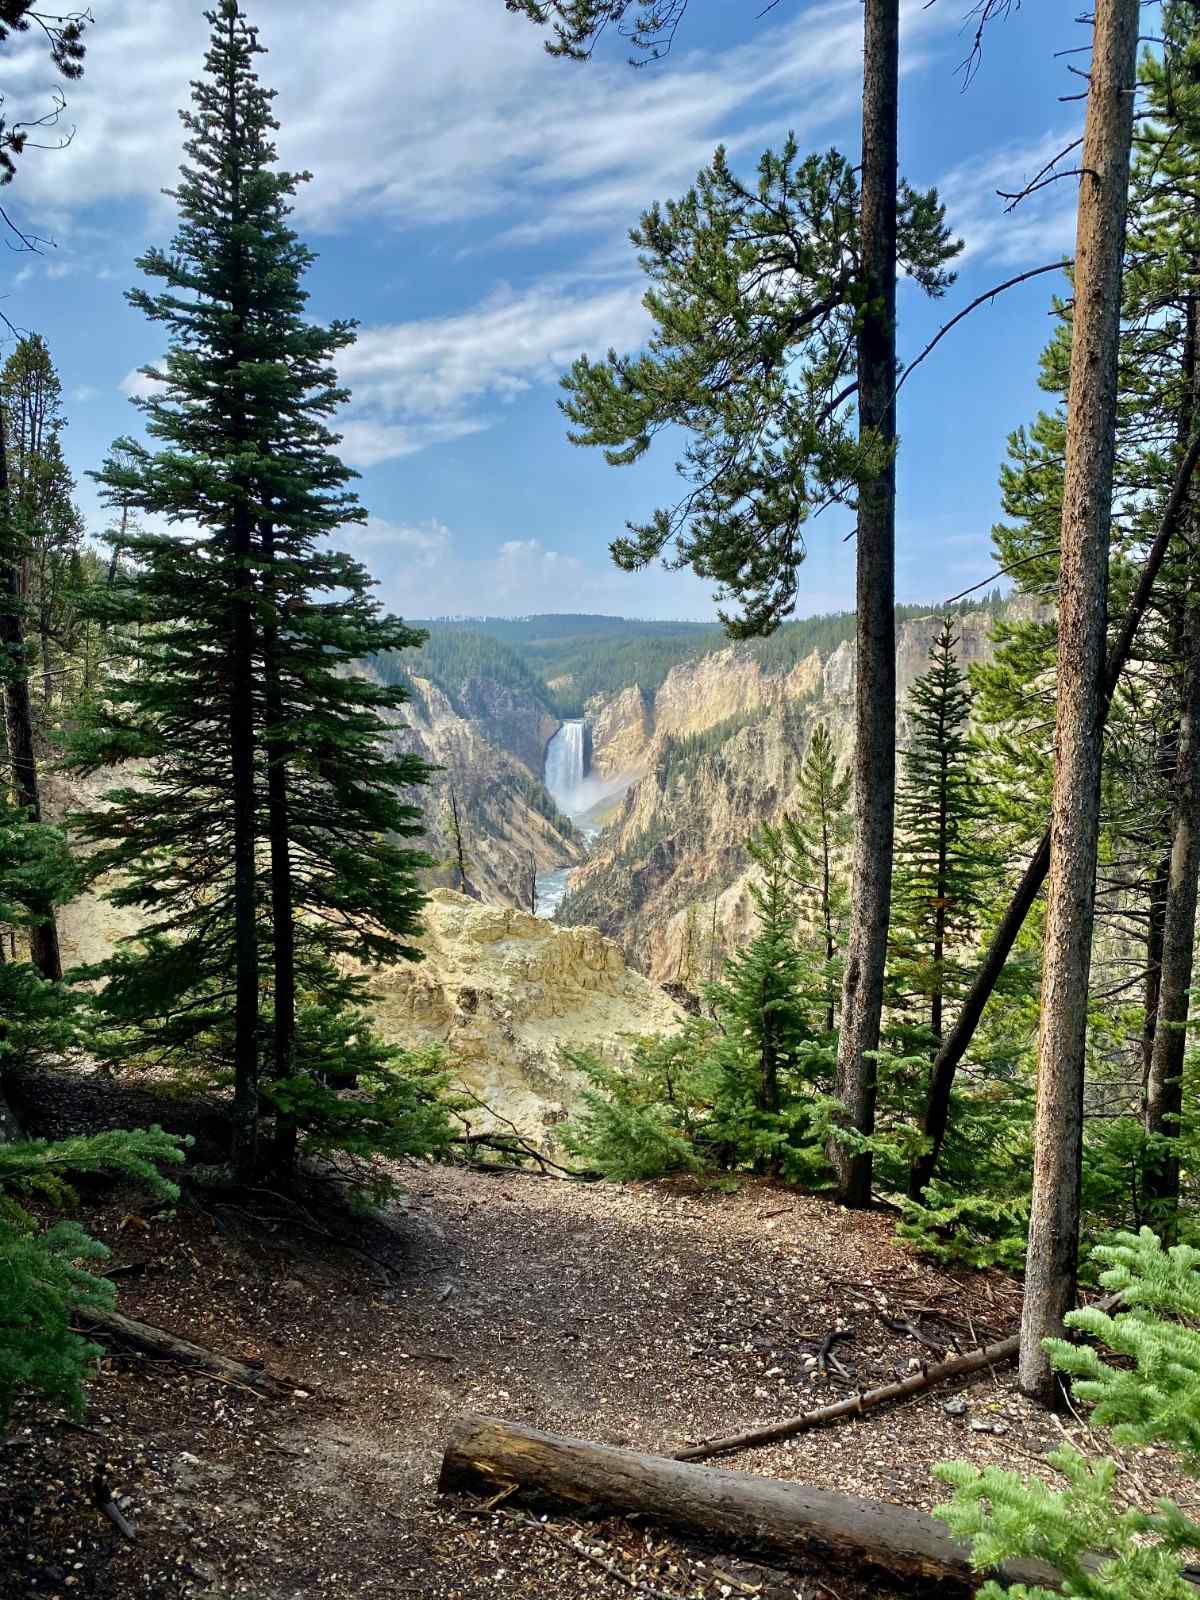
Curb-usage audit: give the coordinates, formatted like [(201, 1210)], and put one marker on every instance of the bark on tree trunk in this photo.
[(1164, 1086), (875, 703), (283, 921), (245, 1110), (245, 894), (483, 1454), (157, 1342), (18, 714), (1051, 1259), (10, 1125), (1155, 917)]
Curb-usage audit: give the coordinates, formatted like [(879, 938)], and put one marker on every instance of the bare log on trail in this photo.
[(483, 1454), (114, 1328), (961, 1366)]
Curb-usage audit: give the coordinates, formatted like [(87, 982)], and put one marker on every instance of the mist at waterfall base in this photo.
[(572, 787), (574, 791)]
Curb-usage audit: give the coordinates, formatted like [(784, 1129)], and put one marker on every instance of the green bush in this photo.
[(47, 1272), (1153, 1397)]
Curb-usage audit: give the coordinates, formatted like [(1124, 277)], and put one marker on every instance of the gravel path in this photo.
[(648, 1316)]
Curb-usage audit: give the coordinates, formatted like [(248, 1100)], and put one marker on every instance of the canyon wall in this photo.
[(495, 771), (715, 753)]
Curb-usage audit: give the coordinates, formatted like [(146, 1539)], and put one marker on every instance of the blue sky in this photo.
[(470, 203)]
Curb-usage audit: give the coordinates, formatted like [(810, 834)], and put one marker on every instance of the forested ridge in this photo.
[(567, 661), (334, 1172)]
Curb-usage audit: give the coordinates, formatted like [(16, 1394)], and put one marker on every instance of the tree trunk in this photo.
[(47, 669), (875, 703), (958, 1040), (283, 916), (245, 1111), (11, 1130), (1164, 1086), (483, 1454), (1051, 1259), (164, 1346), (1155, 917), (245, 891), (18, 714), (827, 909)]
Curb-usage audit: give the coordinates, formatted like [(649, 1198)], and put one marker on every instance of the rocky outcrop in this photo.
[(508, 717), (622, 729), (724, 686), (504, 991)]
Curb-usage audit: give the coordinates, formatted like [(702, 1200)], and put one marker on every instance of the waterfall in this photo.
[(566, 766)]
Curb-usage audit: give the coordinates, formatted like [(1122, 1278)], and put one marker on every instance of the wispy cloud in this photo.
[(1040, 229), (417, 113), (423, 382)]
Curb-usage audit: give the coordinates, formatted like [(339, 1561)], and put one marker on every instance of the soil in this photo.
[(649, 1316)]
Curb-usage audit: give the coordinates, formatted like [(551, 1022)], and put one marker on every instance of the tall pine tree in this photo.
[(942, 872), (264, 840), (812, 839)]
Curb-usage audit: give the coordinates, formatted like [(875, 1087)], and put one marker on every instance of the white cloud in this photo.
[(366, 442), (425, 571), (137, 385), (420, 383), (423, 544), (421, 113), (1040, 229)]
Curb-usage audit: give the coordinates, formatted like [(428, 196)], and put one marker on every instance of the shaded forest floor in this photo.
[(647, 1316)]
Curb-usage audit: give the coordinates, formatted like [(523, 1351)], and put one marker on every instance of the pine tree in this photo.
[(1016, 693), (49, 527), (1051, 1263), (1101, 1547), (18, 713), (942, 872), (265, 841), (50, 1272), (761, 989), (813, 835), (744, 1088)]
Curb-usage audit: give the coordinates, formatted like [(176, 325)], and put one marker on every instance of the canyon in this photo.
[(604, 854), (658, 787)]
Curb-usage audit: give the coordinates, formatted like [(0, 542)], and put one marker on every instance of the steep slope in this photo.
[(504, 991), (508, 820), (714, 755)]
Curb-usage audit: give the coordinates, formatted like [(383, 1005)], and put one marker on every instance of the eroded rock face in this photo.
[(514, 721), (504, 991), (622, 729), (507, 817), (669, 879)]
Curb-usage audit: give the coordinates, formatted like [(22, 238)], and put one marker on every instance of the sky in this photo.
[(470, 203)]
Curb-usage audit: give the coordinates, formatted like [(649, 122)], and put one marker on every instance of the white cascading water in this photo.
[(574, 791), (566, 766)]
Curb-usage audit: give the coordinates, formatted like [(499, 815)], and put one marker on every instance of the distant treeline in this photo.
[(452, 656), (563, 661)]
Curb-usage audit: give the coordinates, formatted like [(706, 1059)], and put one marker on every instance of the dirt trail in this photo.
[(645, 1316)]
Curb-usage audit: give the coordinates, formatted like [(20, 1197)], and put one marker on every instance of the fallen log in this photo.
[(483, 1454), (992, 1355), (113, 1327)]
